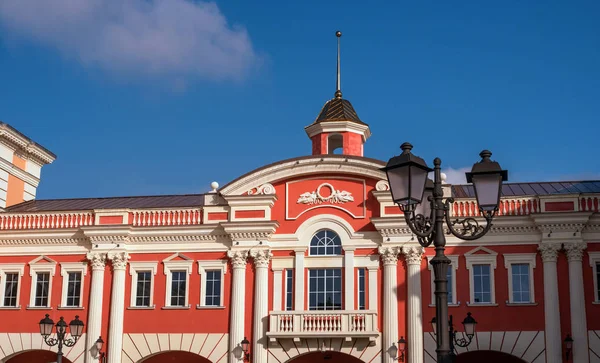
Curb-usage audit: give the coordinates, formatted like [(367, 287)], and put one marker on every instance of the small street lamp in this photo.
[(425, 211), (568, 345), (101, 354), (75, 327), (469, 326), (245, 348), (401, 349)]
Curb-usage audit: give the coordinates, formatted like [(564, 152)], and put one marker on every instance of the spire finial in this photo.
[(338, 90)]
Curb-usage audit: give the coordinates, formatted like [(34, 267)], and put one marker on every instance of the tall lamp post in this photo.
[(75, 326), (407, 177)]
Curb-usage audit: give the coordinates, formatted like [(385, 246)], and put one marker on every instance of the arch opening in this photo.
[(326, 357), (335, 144), (175, 356), (487, 356), (34, 356)]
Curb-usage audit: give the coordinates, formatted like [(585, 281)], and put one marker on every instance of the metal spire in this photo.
[(338, 92)]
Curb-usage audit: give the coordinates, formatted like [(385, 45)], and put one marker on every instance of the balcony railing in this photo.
[(330, 323)]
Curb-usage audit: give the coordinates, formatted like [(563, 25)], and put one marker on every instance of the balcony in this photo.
[(347, 324)]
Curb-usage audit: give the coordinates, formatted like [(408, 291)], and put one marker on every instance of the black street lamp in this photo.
[(407, 176), (75, 326), (568, 346), (401, 349), (245, 348), (101, 354), (469, 326)]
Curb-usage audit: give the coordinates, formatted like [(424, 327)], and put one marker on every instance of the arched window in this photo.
[(325, 243)]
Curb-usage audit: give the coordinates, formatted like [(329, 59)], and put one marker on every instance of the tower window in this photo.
[(335, 144)]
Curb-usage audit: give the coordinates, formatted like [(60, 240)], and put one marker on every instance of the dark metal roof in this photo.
[(539, 188), (338, 109), (155, 201)]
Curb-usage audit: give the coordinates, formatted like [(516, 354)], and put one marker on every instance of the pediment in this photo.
[(42, 260), (481, 250), (177, 257)]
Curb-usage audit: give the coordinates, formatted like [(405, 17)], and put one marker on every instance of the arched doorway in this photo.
[(487, 356), (326, 357), (175, 357), (34, 356)]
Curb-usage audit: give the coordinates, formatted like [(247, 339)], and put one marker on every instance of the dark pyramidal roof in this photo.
[(338, 109)]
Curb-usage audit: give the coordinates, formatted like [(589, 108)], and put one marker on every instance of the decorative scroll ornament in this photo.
[(238, 258), (266, 189), (316, 197), (382, 185), (261, 257), (575, 250), (413, 254), (549, 251), (97, 260), (389, 255), (119, 260)]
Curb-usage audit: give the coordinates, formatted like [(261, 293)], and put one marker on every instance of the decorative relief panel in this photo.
[(347, 194)]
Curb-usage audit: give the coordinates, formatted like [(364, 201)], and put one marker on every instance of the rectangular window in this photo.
[(325, 291), (178, 286), (11, 289), (143, 288), (42, 289), (74, 289), (289, 289), (213, 288), (598, 279), (450, 285), (361, 289), (482, 284), (520, 282)]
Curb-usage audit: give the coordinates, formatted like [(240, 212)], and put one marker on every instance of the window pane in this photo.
[(482, 284), (450, 285), (325, 242), (11, 288), (143, 288), (213, 288), (178, 288), (41, 289), (289, 289), (361, 289), (325, 291), (520, 283), (74, 289), (598, 278)]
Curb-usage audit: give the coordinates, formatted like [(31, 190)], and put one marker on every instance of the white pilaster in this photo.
[(389, 256), (238, 292), (413, 256), (299, 280), (349, 278), (94, 323), (261, 305), (117, 307), (579, 331), (373, 288), (549, 252), (277, 288)]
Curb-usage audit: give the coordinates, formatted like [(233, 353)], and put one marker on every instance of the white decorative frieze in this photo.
[(265, 189), (317, 197)]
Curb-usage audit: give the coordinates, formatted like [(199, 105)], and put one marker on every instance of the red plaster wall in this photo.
[(592, 310), (249, 214), (353, 144), (110, 220), (559, 206)]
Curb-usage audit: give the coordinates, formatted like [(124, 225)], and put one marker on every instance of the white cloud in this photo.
[(174, 38), (456, 176)]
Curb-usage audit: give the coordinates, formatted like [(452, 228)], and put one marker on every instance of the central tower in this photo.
[(338, 129)]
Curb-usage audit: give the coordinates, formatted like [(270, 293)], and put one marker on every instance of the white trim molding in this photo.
[(488, 257), (520, 258), (65, 268), (454, 266), (211, 265), (5, 268), (594, 261), (170, 265), (134, 269), (36, 267)]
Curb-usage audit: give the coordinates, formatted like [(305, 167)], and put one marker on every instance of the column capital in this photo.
[(575, 250), (261, 257), (119, 260), (413, 254), (549, 251), (97, 260), (389, 255), (238, 258)]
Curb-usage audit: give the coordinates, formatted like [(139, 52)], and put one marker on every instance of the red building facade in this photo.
[(307, 258)]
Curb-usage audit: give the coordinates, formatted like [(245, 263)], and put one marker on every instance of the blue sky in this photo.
[(163, 97)]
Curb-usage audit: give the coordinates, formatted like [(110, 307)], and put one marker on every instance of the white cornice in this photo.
[(305, 166), (259, 200), (11, 169), (250, 231), (338, 126), (25, 145)]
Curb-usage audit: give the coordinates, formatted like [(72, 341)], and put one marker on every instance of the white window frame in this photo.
[(19, 269), (488, 258), (177, 265), (454, 266), (342, 287), (65, 268), (520, 258), (594, 259), (203, 267), (34, 268), (285, 289), (135, 268)]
